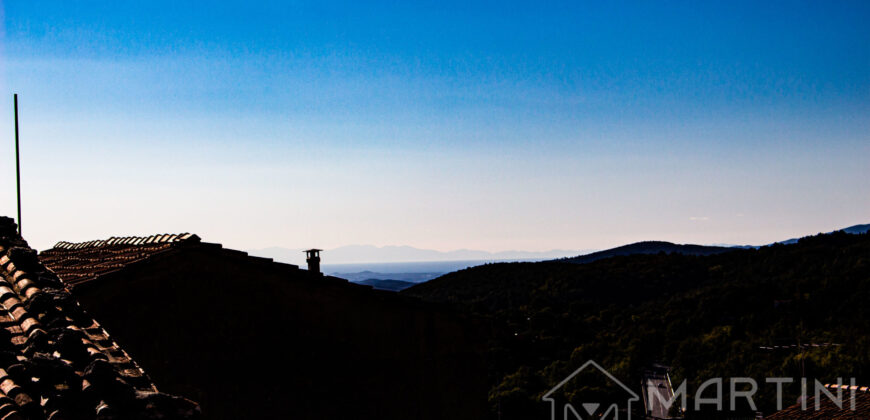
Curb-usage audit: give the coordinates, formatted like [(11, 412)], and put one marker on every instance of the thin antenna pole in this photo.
[(17, 162)]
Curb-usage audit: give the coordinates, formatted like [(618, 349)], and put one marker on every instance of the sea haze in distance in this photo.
[(398, 267), (366, 254), (359, 263)]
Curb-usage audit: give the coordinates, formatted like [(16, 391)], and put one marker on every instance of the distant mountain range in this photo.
[(369, 253), (362, 254), (354, 262), (855, 230), (409, 276)]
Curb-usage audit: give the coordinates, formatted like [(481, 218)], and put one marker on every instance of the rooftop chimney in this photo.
[(312, 256)]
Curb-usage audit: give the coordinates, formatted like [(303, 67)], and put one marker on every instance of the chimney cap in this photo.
[(313, 250)]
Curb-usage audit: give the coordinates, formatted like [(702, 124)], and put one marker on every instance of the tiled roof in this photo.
[(56, 361), (828, 409), (166, 238), (251, 338), (94, 258)]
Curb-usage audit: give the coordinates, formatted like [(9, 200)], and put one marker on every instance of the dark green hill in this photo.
[(706, 316), (383, 284), (647, 247), (857, 229)]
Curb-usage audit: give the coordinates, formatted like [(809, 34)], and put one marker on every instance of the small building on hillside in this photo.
[(56, 361), (248, 337), (657, 391)]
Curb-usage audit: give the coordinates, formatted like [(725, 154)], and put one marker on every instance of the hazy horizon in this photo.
[(367, 255), (491, 126)]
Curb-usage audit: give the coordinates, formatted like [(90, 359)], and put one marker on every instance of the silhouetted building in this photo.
[(250, 338), (657, 390), (312, 257), (56, 362)]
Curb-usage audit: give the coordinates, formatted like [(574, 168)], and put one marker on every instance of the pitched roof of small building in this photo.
[(81, 263), (828, 409), (58, 362), (232, 327)]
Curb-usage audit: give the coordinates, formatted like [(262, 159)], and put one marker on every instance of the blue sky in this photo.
[(445, 125)]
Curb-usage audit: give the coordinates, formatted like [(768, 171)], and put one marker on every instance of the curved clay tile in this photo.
[(82, 372)]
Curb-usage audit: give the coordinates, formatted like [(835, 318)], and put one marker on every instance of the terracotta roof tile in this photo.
[(137, 240), (77, 263), (828, 409), (57, 362)]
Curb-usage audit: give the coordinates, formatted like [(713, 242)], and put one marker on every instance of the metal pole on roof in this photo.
[(17, 162)]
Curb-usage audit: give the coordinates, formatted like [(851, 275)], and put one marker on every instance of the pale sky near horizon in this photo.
[(444, 125)]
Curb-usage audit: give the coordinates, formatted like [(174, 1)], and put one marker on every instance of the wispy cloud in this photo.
[(699, 218)]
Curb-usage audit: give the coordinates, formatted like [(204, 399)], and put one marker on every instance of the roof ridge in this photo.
[(160, 238), (848, 387)]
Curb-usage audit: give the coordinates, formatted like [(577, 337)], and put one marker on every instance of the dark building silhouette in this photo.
[(56, 361), (250, 338)]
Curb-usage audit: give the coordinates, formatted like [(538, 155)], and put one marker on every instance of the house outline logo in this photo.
[(589, 407)]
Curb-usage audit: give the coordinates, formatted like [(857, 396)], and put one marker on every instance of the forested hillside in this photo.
[(705, 316)]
